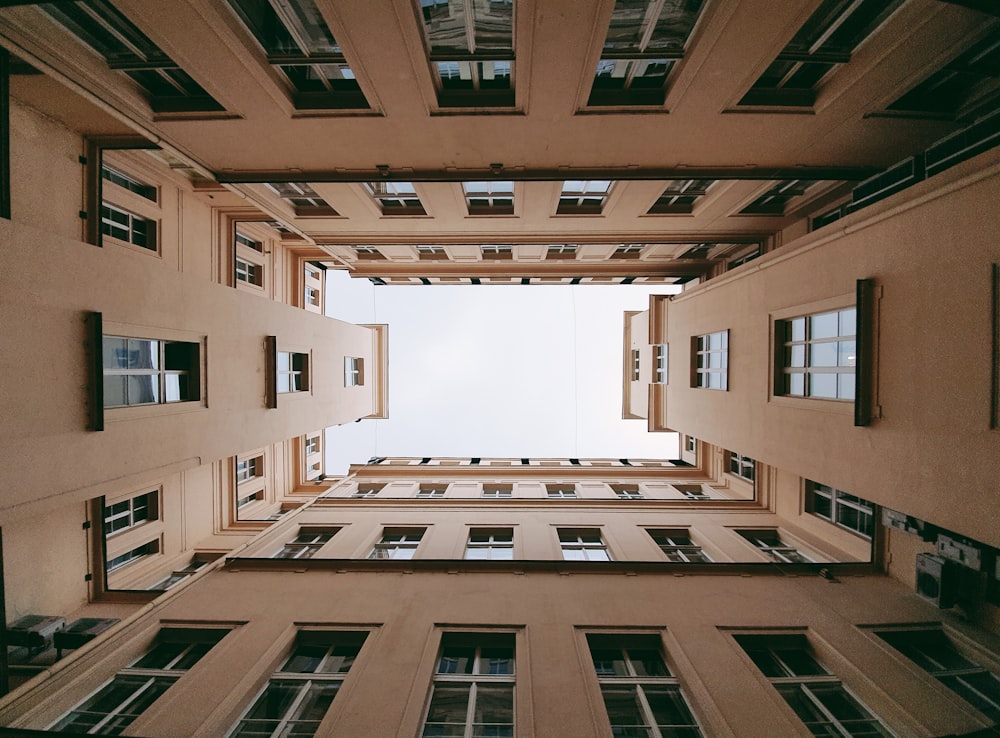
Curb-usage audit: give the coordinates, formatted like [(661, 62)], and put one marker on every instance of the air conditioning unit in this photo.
[(81, 631), (34, 631), (960, 552), (937, 580)]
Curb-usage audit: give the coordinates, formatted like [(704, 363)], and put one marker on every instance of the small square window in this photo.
[(354, 372), (583, 544), (292, 372), (583, 197)]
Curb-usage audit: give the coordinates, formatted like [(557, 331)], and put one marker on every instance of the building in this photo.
[(177, 178)]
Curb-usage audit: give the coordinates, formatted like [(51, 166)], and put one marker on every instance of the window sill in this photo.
[(137, 412), (835, 407)]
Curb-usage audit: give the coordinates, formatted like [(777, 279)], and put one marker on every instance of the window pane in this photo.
[(274, 702), (449, 705), (143, 389), (668, 706), (624, 711), (823, 354), (494, 704), (115, 353), (497, 661), (823, 385), (143, 354), (114, 390), (456, 660), (848, 320), (824, 325)]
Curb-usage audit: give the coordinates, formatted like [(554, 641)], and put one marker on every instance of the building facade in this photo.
[(818, 179)]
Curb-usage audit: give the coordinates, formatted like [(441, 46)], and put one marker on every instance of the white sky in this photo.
[(495, 370)]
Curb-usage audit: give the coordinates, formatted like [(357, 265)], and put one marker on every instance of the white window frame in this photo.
[(710, 361), (397, 543), (583, 540), (498, 544)]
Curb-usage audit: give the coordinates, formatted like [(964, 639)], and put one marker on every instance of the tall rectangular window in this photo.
[(846, 510), (471, 51), (119, 516), (742, 466), (298, 695), (936, 654), (489, 198), (583, 544), (141, 371), (642, 697), (292, 372), (129, 227), (676, 544), (249, 272), (118, 703), (770, 542), (300, 46), (312, 288), (635, 365), (306, 543), (824, 42), (150, 548), (397, 543), (680, 196), (472, 693), (560, 491), (583, 197), (660, 363), (775, 200), (490, 543), (818, 698), (817, 355), (396, 198), (99, 25), (646, 39), (710, 368), (354, 374)]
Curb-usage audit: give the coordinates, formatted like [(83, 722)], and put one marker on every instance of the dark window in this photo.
[(140, 371)]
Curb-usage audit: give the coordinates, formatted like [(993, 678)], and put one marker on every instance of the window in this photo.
[(560, 491), (711, 361), (128, 227), (961, 89), (935, 653), (368, 490), (250, 243), (250, 499), (396, 198), (248, 469), (427, 491), (490, 543), (312, 445), (818, 698), (627, 492), (635, 365), (775, 200), (119, 516), (141, 371), (642, 697), (168, 88), (825, 41), (127, 182), (660, 363), (846, 510), (561, 251), (118, 703), (742, 466), (149, 548), (770, 542), (691, 491), (472, 694), (292, 372), (303, 199), (489, 198), (397, 543), (680, 196), (583, 544), (298, 694), (299, 45), (354, 374), (312, 288), (583, 197), (497, 491), (432, 253), (741, 260), (471, 51), (817, 355), (178, 576), (677, 545), (691, 443), (644, 43), (247, 271), (369, 253), (305, 544), (495, 252), (628, 251)]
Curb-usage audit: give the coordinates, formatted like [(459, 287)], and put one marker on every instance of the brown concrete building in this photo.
[(176, 179)]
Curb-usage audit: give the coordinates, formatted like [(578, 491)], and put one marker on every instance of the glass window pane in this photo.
[(624, 710), (845, 386), (824, 325), (848, 320), (449, 704), (494, 704), (456, 660), (823, 354), (796, 384), (798, 329), (114, 390), (847, 353), (143, 354), (274, 702), (143, 389), (115, 353), (668, 706), (823, 385)]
